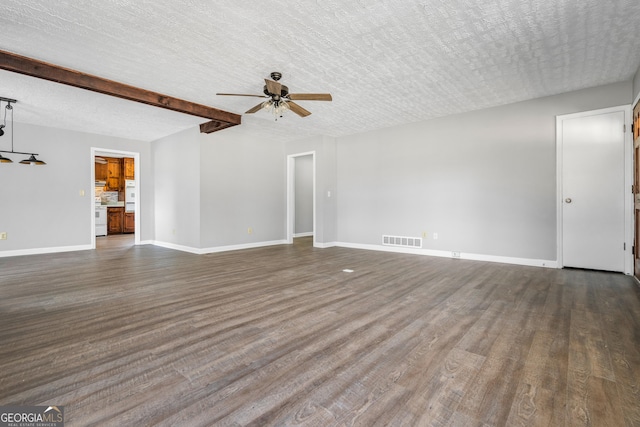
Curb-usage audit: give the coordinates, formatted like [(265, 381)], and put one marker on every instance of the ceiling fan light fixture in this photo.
[(280, 100)]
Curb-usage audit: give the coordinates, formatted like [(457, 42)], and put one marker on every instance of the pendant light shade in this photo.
[(32, 156), (32, 161)]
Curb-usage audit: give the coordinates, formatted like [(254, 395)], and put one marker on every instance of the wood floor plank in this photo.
[(588, 351), (593, 401), (621, 326), (283, 336)]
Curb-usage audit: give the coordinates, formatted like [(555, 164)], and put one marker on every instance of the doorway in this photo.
[(636, 186), (594, 210), (117, 154), (301, 183)]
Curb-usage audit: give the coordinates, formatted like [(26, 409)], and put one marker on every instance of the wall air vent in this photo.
[(401, 241)]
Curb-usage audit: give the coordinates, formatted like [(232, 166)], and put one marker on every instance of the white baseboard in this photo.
[(202, 251), (310, 233), (175, 247), (448, 254), (40, 251), (324, 245), (243, 246)]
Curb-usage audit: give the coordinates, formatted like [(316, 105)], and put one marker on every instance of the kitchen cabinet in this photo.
[(129, 222), (115, 220), (114, 181), (129, 169), (101, 171)]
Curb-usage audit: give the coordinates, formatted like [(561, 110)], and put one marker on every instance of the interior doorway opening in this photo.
[(301, 196), (115, 196)]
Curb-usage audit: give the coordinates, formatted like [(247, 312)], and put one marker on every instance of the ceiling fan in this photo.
[(279, 99)]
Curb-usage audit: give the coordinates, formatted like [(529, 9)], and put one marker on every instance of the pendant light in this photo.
[(2, 126), (32, 156)]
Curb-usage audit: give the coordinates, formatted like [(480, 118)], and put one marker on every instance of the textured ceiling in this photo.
[(385, 62)]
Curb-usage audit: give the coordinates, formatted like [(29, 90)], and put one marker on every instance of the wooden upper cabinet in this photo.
[(114, 167), (101, 171), (129, 169)]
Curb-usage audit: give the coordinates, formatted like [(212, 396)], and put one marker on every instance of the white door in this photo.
[(593, 168)]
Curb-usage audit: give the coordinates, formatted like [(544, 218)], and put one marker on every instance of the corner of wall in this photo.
[(636, 86)]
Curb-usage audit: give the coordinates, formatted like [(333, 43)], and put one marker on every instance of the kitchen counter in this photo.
[(113, 204)]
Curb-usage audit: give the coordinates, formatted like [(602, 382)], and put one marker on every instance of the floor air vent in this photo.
[(405, 242)]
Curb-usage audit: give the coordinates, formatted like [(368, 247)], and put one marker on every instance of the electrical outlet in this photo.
[(424, 234), (455, 254), (249, 230), (435, 236), (3, 235), (81, 193)]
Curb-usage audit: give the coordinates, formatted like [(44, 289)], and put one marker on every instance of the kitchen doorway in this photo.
[(112, 208), (594, 210)]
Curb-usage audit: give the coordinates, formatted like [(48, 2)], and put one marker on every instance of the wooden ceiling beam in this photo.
[(43, 70)]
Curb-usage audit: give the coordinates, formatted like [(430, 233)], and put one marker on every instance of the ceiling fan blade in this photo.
[(241, 94), (298, 109), (310, 96), (254, 109), (273, 87)]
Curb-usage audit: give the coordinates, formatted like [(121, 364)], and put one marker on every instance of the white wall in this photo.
[(237, 183), (636, 85), (303, 195), (485, 181), (40, 206), (176, 173), (243, 185)]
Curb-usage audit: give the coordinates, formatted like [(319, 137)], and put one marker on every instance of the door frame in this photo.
[(136, 164), (291, 205), (628, 181), (636, 184)]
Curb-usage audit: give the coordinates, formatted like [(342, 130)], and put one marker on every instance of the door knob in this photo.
[(567, 200)]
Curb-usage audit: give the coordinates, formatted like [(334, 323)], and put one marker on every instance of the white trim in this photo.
[(447, 254), (325, 245), (203, 251), (290, 221), (136, 167), (310, 233), (635, 101), (628, 181), (40, 251)]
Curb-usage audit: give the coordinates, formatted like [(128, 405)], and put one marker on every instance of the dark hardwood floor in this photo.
[(141, 335)]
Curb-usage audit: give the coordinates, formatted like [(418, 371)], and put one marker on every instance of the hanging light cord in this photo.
[(9, 107)]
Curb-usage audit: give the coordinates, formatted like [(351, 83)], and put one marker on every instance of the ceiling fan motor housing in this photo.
[(284, 91)]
